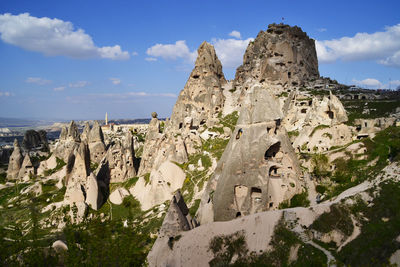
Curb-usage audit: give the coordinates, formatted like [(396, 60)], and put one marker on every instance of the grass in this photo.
[(298, 200), (338, 218), (293, 133)]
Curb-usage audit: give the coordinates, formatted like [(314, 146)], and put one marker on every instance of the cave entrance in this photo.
[(272, 150), (330, 114)]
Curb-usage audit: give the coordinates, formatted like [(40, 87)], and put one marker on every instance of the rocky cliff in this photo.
[(281, 55)]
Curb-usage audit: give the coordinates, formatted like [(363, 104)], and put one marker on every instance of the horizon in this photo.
[(65, 61)]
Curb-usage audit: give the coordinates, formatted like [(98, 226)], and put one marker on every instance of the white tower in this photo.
[(106, 119)]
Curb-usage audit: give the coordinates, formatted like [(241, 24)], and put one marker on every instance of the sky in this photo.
[(62, 60)]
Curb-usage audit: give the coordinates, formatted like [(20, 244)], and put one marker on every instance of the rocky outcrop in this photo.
[(27, 169), (97, 147), (151, 145), (202, 97), (258, 169), (78, 166), (94, 198), (281, 55), (162, 184), (85, 132), (121, 159), (15, 162), (68, 142), (176, 220), (34, 139)]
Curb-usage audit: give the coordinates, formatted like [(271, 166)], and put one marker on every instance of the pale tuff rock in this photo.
[(27, 168), (97, 147), (34, 139), (369, 127), (68, 142), (35, 189), (59, 246), (202, 97), (48, 164), (15, 162), (73, 132), (281, 55), (176, 220), (258, 169), (163, 182), (85, 132), (94, 198), (118, 195), (78, 165), (151, 145), (121, 159)]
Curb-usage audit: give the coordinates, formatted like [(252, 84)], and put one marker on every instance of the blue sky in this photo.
[(80, 59)]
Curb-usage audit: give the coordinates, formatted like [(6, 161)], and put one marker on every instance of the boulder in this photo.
[(118, 195), (59, 246)]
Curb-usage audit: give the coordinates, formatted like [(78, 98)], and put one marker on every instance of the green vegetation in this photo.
[(3, 178), (293, 133), (37, 159), (60, 164), (320, 189), (93, 166), (130, 182), (284, 94), (380, 227), (140, 137), (225, 248), (193, 209), (320, 165), (319, 127), (338, 218), (369, 109), (298, 200), (229, 120), (327, 135)]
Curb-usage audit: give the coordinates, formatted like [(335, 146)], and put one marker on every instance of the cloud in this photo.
[(172, 51), (322, 29), (78, 84), (369, 82), (5, 94), (150, 59), (230, 51), (57, 89), (383, 47), (115, 81), (53, 37), (235, 34), (134, 53), (37, 80)]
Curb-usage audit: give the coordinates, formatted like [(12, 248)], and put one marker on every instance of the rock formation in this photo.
[(177, 220), (281, 55), (27, 169), (121, 159), (34, 139), (258, 169), (85, 132), (68, 142), (15, 162), (97, 147), (202, 97)]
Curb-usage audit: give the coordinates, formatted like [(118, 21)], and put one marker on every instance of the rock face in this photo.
[(202, 97), (97, 147), (34, 139), (85, 133), (258, 169), (164, 181), (68, 142), (15, 162), (281, 55), (27, 168), (78, 166), (153, 139), (121, 159), (177, 220)]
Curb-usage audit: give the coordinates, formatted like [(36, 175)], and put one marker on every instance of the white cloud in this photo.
[(322, 29), (37, 80), (134, 53), (150, 59), (115, 81), (384, 47), (53, 37), (78, 84), (5, 94), (57, 89), (369, 83), (172, 51), (235, 34), (230, 51)]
